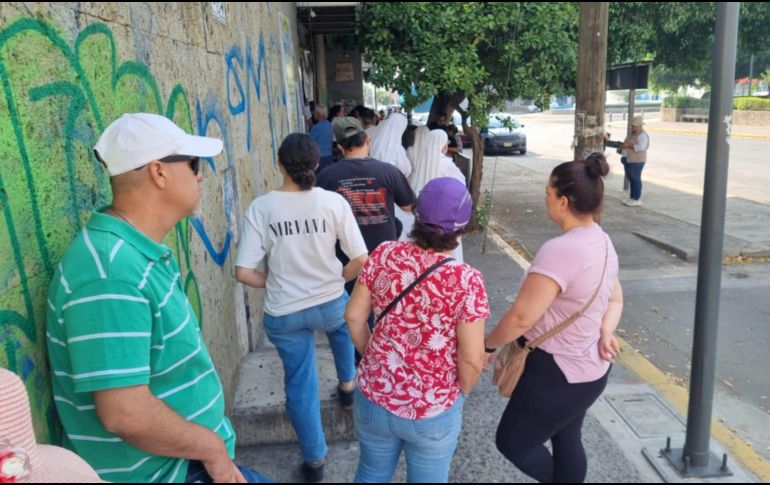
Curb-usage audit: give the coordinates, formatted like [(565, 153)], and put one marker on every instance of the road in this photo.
[(660, 288)]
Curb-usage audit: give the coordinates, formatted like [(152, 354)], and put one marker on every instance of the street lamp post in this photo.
[(696, 460)]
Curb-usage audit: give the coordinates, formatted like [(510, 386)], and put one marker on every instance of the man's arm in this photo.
[(351, 270), (147, 423), (403, 195)]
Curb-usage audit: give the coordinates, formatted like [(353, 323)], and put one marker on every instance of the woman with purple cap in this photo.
[(426, 352)]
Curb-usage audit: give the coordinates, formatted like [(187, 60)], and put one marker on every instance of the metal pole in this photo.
[(712, 237), (751, 72), (631, 109)]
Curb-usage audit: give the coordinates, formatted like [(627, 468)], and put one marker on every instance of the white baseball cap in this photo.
[(136, 139)]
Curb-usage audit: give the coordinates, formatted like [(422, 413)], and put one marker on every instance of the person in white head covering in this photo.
[(420, 136), (432, 163), (387, 146)]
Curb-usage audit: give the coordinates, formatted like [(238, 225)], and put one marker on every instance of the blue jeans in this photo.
[(294, 337), (634, 175), (196, 473), (428, 444)]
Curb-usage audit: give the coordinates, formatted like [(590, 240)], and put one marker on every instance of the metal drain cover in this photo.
[(646, 415)]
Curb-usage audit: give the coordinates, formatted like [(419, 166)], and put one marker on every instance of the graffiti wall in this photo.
[(67, 71)]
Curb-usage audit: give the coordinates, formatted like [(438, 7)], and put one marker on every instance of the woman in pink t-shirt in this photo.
[(426, 352), (568, 371)]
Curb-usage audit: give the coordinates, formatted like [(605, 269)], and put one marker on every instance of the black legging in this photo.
[(545, 406)]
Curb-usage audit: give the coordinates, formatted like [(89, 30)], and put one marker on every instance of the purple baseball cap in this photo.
[(444, 203)]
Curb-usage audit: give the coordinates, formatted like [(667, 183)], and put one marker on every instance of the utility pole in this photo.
[(591, 78), (751, 72)]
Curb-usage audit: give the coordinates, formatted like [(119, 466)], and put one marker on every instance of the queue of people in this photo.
[(139, 397)]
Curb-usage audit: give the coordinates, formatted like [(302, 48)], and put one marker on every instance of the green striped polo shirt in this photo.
[(117, 317)]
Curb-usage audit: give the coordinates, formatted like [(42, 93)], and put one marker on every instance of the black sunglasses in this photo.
[(195, 162)]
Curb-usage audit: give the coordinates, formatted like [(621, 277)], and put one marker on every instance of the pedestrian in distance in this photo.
[(295, 229), (425, 354), (136, 391), (634, 156), (324, 137), (573, 275)]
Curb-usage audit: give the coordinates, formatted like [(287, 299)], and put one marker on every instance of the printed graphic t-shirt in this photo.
[(297, 231), (371, 187)]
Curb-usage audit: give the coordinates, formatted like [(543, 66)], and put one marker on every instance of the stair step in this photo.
[(259, 416)]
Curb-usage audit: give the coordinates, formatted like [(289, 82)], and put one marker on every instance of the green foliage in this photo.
[(490, 52), (663, 78), (679, 38), (745, 103), (685, 102), (751, 104), (482, 212)]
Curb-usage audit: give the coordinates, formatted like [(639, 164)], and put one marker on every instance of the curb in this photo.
[(677, 395)]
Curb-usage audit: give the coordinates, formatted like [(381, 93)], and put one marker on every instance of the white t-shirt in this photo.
[(297, 231)]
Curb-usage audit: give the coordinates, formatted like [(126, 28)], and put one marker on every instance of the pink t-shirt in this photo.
[(410, 366), (575, 261)]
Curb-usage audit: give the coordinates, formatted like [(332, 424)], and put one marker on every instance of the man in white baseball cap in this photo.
[(134, 386)]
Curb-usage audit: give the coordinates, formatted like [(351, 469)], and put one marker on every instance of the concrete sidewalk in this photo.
[(629, 417)]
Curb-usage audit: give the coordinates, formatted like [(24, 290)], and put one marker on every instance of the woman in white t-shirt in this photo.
[(295, 228)]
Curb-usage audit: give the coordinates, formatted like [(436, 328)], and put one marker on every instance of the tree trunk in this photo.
[(444, 104), (478, 164)]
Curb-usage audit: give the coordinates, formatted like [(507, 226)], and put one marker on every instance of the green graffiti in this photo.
[(55, 101)]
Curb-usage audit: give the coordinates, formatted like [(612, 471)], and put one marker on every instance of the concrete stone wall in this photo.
[(66, 71), (751, 118), (740, 117)]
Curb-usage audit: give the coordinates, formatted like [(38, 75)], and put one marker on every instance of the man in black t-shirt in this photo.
[(370, 186)]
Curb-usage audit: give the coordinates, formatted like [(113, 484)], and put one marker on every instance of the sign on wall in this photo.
[(218, 11), (343, 71)]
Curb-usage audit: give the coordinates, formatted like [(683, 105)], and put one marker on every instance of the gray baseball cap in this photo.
[(346, 127)]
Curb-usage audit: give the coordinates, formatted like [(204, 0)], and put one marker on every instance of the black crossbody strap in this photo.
[(411, 287)]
